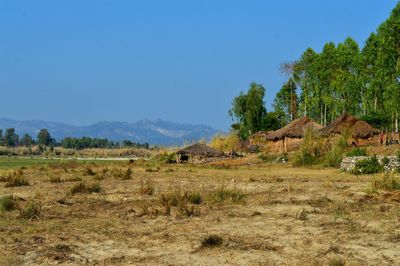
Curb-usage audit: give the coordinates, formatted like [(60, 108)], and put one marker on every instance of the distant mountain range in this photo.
[(158, 132)]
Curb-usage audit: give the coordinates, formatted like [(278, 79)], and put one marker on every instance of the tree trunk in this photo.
[(322, 116), (397, 122)]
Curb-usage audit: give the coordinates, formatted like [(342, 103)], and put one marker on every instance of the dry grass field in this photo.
[(112, 213)]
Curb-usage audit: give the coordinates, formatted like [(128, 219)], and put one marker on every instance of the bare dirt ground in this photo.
[(261, 214)]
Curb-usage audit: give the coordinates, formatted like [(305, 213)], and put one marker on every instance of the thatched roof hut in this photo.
[(357, 128), (200, 149), (295, 129)]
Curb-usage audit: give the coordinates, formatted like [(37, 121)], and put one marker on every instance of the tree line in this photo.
[(11, 139), (363, 81)]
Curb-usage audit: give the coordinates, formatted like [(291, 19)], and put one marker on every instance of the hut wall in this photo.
[(372, 141), (292, 144)]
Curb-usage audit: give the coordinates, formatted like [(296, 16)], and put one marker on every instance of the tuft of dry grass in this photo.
[(222, 194), (387, 182), (55, 179), (17, 181), (32, 212), (7, 204), (82, 188), (212, 241), (146, 187)]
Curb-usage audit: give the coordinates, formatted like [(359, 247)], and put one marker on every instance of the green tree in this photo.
[(26, 140), (286, 101), (10, 137), (248, 111), (304, 74), (44, 137)]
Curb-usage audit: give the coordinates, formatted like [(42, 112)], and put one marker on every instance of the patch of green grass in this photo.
[(7, 204)]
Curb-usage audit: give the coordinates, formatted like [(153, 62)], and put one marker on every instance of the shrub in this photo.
[(385, 161), (368, 166), (357, 152), (85, 188), (31, 212), (7, 203), (17, 181), (223, 194), (212, 241)]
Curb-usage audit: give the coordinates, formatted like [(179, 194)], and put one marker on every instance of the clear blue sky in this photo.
[(81, 61)]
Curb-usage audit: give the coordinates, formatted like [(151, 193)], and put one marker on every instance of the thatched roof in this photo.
[(260, 135), (200, 149), (295, 129), (357, 128)]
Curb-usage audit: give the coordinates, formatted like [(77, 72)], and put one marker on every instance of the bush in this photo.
[(211, 241), (368, 166), (357, 152), (85, 188), (7, 204), (385, 161), (31, 212)]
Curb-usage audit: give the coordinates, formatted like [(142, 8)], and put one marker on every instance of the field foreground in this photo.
[(263, 214)]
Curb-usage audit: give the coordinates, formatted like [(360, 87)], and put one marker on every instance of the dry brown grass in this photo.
[(249, 215)]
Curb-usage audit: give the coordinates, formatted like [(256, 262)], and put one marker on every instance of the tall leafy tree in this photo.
[(44, 137), (286, 101), (11, 138), (26, 140), (249, 113)]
